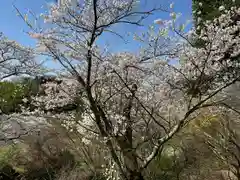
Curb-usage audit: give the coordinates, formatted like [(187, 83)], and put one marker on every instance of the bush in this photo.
[(11, 95), (9, 173), (8, 155), (77, 174), (49, 165)]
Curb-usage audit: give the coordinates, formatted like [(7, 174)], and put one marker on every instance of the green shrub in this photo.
[(13, 93), (48, 166), (8, 155)]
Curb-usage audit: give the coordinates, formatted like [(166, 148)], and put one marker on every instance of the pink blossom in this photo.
[(159, 21), (35, 35)]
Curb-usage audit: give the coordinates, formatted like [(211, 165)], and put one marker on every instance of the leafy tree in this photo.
[(11, 95), (15, 60), (204, 10), (14, 94)]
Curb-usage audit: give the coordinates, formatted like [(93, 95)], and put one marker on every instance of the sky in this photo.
[(15, 29)]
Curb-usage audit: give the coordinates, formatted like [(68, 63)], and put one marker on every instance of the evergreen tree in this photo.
[(12, 94), (204, 10)]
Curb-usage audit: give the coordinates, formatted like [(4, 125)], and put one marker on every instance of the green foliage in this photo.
[(209, 9), (8, 154), (47, 167), (13, 93), (9, 173)]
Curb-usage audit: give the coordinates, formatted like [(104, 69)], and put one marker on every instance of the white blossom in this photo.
[(16, 59), (199, 19), (221, 8), (125, 91), (159, 21)]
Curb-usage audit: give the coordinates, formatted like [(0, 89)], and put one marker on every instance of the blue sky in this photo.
[(12, 26), (180, 6)]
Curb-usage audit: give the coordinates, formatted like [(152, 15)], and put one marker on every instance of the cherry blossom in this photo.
[(133, 103), (158, 21), (16, 59), (221, 8)]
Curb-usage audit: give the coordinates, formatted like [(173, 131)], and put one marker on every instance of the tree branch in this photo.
[(181, 123)]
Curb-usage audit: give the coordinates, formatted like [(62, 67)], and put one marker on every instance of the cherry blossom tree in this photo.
[(16, 60), (133, 104)]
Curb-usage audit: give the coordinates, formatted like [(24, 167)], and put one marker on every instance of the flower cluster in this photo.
[(111, 172), (217, 62), (53, 95), (16, 59)]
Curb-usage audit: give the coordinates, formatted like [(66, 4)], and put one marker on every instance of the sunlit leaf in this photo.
[(181, 27)]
